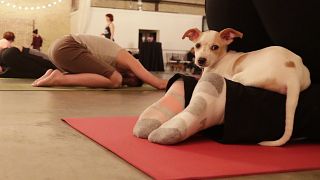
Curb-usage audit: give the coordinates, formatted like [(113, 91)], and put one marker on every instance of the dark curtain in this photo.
[(271, 22), (150, 56)]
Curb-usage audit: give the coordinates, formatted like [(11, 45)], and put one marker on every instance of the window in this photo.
[(148, 36)]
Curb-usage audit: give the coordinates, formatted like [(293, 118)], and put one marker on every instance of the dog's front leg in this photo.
[(206, 109)]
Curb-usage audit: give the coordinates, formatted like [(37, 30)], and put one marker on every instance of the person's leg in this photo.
[(292, 25), (57, 78), (83, 73), (161, 111), (126, 61), (307, 116), (240, 15), (84, 68), (206, 109)]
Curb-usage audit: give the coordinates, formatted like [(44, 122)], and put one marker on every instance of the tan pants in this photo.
[(72, 57)]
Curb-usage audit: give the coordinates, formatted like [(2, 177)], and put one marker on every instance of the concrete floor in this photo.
[(36, 144)]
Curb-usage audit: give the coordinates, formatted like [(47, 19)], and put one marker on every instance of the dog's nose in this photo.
[(202, 61)]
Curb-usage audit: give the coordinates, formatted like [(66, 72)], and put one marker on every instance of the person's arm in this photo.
[(112, 31), (33, 42), (41, 41), (125, 61)]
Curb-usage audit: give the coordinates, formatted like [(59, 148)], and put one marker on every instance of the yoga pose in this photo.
[(24, 63), (96, 62)]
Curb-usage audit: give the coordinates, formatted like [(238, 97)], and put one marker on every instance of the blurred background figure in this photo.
[(150, 38), (109, 29), (36, 40), (7, 40)]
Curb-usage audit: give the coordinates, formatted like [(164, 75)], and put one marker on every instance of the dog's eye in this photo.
[(214, 47), (198, 45)]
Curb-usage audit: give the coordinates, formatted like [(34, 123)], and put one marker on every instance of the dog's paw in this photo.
[(165, 136), (144, 127)]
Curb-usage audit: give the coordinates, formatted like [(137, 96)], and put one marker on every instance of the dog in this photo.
[(273, 68)]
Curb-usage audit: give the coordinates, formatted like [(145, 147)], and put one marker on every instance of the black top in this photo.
[(150, 56), (17, 64), (107, 32)]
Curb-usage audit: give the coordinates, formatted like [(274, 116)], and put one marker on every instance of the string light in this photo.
[(28, 8)]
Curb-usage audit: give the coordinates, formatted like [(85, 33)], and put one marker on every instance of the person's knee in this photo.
[(117, 82)]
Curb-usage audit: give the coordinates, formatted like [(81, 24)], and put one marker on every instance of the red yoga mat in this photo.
[(197, 157)]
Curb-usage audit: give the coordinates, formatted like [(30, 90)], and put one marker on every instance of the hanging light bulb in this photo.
[(130, 5), (31, 7), (140, 5)]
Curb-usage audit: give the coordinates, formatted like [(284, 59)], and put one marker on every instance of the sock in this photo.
[(161, 111), (206, 109)]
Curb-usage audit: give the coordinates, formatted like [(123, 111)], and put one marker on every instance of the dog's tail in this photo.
[(293, 91)]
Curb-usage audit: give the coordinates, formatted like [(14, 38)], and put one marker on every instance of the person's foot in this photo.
[(51, 79), (42, 77)]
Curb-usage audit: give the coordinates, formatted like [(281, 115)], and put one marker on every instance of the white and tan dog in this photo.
[(273, 68)]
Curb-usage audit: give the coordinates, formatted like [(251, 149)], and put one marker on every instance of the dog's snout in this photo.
[(202, 61)]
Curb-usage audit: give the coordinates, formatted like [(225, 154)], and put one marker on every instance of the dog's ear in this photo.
[(193, 34), (229, 34)]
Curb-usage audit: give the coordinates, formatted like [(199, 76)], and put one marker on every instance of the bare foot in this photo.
[(42, 77), (50, 80)]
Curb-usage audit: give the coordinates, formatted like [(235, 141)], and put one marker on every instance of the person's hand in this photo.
[(162, 84)]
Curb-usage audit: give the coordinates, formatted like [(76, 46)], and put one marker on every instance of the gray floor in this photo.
[(36, 144)]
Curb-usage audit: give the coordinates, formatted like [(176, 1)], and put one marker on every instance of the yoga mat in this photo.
[(17, 84), (197, 157)]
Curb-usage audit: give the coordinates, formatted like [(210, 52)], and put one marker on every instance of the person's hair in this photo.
[(35, 31), (131, 80), (110, 16), (9, 36)]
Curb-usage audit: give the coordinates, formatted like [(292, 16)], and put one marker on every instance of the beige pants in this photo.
[(72, 57)]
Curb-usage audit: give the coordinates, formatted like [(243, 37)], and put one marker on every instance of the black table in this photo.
[(150, 56)]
